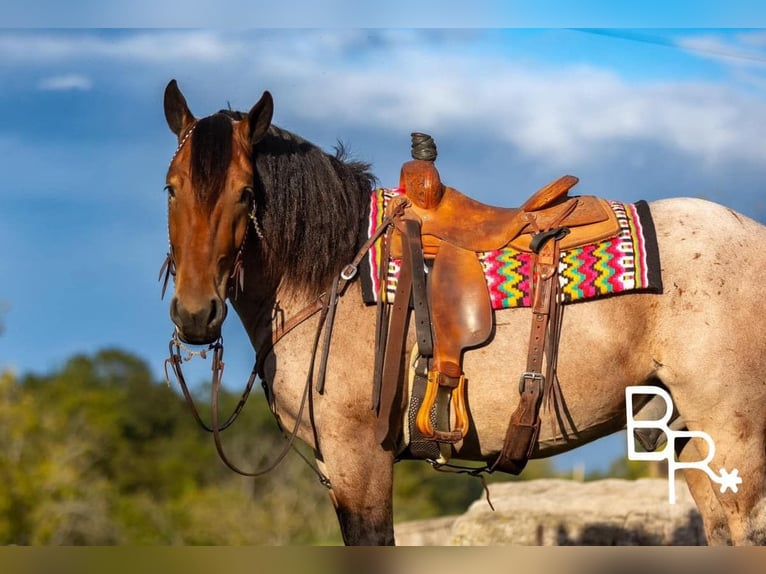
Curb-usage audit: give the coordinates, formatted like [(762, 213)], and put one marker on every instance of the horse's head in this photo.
[(210, 201)]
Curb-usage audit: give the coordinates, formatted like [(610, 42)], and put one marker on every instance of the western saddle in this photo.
[(437, 233)]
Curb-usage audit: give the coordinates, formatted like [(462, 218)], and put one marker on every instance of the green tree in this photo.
[(99, 453), (622, 467)]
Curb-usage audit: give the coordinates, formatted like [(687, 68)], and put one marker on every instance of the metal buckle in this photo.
[(532, 377), (348, 273)]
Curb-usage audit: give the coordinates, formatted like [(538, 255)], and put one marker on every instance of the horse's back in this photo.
[(712, 260), (705, 227)]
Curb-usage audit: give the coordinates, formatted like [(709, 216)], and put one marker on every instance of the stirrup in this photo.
[(423, 420)]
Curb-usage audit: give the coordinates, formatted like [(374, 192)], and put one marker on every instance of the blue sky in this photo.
[(635, 113), (230, 14)]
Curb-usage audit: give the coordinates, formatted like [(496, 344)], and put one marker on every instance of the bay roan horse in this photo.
[(245, 194)]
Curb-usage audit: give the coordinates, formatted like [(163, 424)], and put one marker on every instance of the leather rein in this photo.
[(179, 353)]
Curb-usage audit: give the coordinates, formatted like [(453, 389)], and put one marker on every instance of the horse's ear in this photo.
[(177, 112), (259, 117)]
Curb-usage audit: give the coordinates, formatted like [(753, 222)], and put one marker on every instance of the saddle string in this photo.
[(552, 389), (470, 471), (382, 319), (552, 393)]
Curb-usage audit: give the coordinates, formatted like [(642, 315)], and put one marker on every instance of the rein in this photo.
[(327, 306), (176, 359)]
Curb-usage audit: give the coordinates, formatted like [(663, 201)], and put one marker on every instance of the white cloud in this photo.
[(743, 49), (405, 80), (567, 113), (65, 82), (756, 39), (163, 46)]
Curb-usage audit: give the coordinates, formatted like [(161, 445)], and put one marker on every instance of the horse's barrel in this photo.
[(419, 177)]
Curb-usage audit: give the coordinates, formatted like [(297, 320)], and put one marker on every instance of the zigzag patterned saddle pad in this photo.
[(629, 262)]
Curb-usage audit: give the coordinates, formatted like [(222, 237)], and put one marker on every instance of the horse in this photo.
[(262, 219)]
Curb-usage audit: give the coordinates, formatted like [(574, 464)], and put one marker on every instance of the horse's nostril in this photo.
[(174, 310), (215, 313), (200, 324)]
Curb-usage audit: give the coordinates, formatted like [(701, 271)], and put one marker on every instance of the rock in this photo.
[(428, 532), (557, 512)]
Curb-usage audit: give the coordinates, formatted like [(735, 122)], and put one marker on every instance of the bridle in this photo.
[(168, 267), (324, 303), (237, 276)]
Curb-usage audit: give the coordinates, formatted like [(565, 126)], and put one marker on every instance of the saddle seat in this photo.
[(447, 215)]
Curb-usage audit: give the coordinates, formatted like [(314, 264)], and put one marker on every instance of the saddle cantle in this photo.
[(451, 229)]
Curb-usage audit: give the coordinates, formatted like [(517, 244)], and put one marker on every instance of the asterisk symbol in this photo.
[(729, 480)]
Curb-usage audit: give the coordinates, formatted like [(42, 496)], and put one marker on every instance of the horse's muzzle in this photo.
[(198, 325)]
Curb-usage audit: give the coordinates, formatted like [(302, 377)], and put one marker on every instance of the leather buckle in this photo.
[(538, 378)]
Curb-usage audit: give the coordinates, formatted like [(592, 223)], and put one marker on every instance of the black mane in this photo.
[(310, 205)]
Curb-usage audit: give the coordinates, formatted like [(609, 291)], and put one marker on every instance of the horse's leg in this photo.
[(713, 517), (738, 430), (710, 341), (745, 509), (361, 472), (361, 491)]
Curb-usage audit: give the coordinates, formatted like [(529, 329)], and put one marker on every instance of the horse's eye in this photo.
[(246, 196), (170, 190)]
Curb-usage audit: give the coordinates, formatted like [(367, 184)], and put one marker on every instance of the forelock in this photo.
[(211, 152)]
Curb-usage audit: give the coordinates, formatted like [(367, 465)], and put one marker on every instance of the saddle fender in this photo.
[(461, 317)]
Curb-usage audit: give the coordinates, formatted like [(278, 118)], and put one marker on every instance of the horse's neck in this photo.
[(267, 305), (255, 304)]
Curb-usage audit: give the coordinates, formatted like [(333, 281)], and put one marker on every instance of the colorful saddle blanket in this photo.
[(627, 263)]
